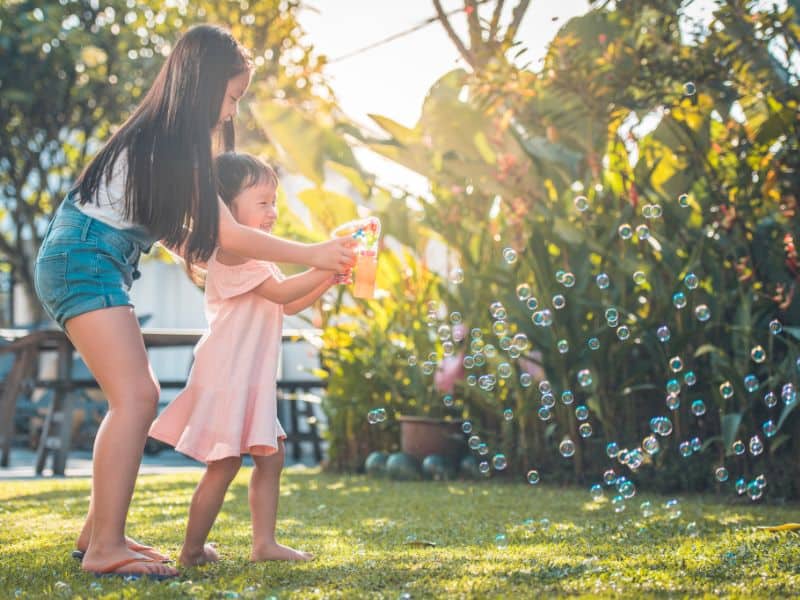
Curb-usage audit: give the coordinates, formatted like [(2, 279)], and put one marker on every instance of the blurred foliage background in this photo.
[(646, 147)]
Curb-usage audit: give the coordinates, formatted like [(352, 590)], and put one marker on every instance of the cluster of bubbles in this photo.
[(491, 358)]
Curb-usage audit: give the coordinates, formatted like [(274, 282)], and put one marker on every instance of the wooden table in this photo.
[(56, 434)]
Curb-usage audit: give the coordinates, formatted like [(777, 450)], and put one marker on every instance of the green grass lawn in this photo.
[(558, 542)]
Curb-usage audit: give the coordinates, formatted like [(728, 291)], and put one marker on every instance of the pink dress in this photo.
[(228, 407)]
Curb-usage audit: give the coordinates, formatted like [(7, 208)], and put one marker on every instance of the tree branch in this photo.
[(463, 50), (495, 23), (518, 13)]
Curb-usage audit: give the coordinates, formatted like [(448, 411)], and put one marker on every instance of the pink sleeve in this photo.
[(230, 281)]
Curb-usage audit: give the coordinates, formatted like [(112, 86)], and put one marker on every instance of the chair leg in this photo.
[(8, 402)]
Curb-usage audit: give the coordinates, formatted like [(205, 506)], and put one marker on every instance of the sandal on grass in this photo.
[(111, 570), (145, 550)]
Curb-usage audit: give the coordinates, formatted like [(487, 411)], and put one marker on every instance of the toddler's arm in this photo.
[(292, 308), (295, 287)]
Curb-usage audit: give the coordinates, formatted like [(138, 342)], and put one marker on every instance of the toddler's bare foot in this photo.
[(193, 558), (278, 552)]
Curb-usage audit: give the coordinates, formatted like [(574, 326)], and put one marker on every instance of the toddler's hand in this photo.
[(335, 255)]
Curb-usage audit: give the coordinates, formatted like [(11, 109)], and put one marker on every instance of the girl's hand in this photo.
[(334, 255)]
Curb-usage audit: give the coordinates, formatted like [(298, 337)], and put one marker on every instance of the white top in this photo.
[(108, 205)]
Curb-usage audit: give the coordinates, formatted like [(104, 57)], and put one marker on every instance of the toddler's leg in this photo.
[(264, 490), (206, 502)]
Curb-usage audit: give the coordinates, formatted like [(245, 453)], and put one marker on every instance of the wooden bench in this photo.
[(56, 436)]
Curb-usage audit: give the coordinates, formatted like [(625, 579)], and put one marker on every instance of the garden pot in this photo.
[(423, 436)]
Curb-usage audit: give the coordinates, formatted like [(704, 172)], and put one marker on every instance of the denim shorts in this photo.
[(84, 264)]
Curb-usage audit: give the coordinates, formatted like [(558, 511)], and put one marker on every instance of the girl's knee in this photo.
[(226, 467)]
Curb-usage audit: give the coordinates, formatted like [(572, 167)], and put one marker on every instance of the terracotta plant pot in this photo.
[(422, 436)]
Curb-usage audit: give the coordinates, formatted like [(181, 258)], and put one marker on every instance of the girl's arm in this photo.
[(334, 255), (294, 287), (292, 308)]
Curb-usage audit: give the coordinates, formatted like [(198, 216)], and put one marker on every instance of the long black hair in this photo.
[(170, 186)]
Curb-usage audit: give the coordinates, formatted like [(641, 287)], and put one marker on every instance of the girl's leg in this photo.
[(263, 495), (110, 342), (86, 532), (206, 502)]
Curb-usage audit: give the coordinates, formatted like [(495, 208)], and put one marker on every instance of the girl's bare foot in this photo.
[(277, 551), (193, 558)]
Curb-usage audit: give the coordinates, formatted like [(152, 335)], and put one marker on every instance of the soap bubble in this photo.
[(726, 389), (412, 360), (612, 449), (508, 414), (673, 401), (466, 427), (769, 428), (525, 380), (625, 231), (646, 508), (689, 378), (623, 333), (683, 200), (499, 461), (754, 492), (523, 291), (567, 448), (642, 232), (756, 445), (603, 281), (673, 508), (559, 302), (788, 394), (457, 276), (770, 399), (510, 255), (544, 413), (585, 377), (651, 445), (581, 412), (675, 364), (533, 476), (673, 386), (775, 327), (593, 343), (567, 397), (685, 449), (698, 408), (618, 504), (751, 383), (663, 334), (702, 312), (691, 281), (689, 88), (758, 354), (568, 280), (639, 277), (585, 430), (738, 447), (721, 473), (741, 486), (697, 445), (532, 303), (581, 203), (679, 300), (596, 492), (563, 346), (610, 477)]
